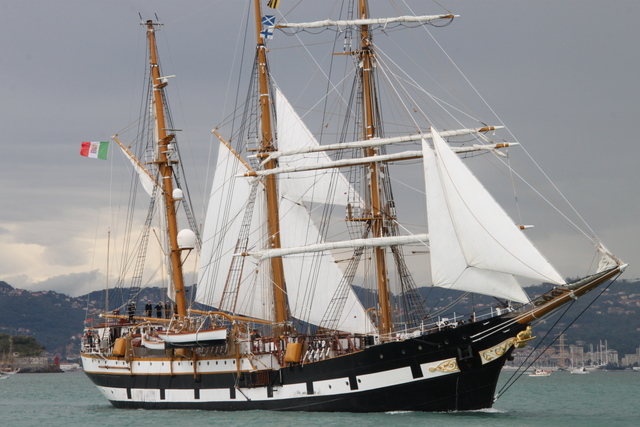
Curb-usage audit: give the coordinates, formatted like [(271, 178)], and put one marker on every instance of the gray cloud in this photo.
[(561, 75)]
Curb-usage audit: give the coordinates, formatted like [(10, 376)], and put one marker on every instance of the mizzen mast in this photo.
[(165, 166), (266, 146)]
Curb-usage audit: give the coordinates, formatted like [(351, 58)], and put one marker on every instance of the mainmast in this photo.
[(165, 166), (366, 60), (266, 146)]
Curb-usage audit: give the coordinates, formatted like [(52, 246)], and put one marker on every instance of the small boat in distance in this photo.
[(579, 370), (8, 368), (540, 373)]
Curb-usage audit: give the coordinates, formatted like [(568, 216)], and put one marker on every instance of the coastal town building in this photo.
[(631, 359)]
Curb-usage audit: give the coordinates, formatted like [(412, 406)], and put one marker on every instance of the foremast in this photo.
[(165, 167), (366, 57), (266, 146)]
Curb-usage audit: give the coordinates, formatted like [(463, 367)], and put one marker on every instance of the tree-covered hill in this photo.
[(51, 318), (56, 320), (24, 345)]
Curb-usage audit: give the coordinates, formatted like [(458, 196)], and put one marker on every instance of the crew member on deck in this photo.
[(159, 310), (148, 308), (254, 336)]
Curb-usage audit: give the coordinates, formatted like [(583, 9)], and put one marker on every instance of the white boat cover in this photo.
[(198, 336)]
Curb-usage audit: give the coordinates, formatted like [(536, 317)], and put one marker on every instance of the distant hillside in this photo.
[(56, 320), (51, 318), (613, 316)]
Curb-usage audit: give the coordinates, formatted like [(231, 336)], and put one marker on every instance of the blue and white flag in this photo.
[(267, 33), (269, 20)]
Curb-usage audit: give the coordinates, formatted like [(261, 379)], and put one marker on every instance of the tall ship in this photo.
[(311, 293)]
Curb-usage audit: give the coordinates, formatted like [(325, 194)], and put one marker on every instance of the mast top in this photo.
[(151, 23)]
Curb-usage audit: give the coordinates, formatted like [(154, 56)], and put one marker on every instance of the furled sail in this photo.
[(474, 244), (146, 179), (368, 21), (355, 243)]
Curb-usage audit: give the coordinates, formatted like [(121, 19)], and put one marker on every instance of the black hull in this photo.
[(470, 386), (457, 392)]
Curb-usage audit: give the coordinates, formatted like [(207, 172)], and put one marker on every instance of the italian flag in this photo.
[(96, 150)]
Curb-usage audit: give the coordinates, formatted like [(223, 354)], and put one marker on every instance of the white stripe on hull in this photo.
[(166, 367)]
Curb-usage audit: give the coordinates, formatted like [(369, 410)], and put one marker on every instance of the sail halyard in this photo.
[(165, 166)]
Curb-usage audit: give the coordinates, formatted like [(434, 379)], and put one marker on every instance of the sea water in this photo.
[(597, 399)]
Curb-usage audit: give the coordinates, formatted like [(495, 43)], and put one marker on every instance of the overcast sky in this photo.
[(562, 75)]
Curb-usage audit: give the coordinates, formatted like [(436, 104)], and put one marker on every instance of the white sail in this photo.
[(311, 280), (225, 213), (310, 186), (475, 246)]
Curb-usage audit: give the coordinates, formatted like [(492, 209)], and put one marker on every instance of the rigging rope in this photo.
[(519, 373)]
